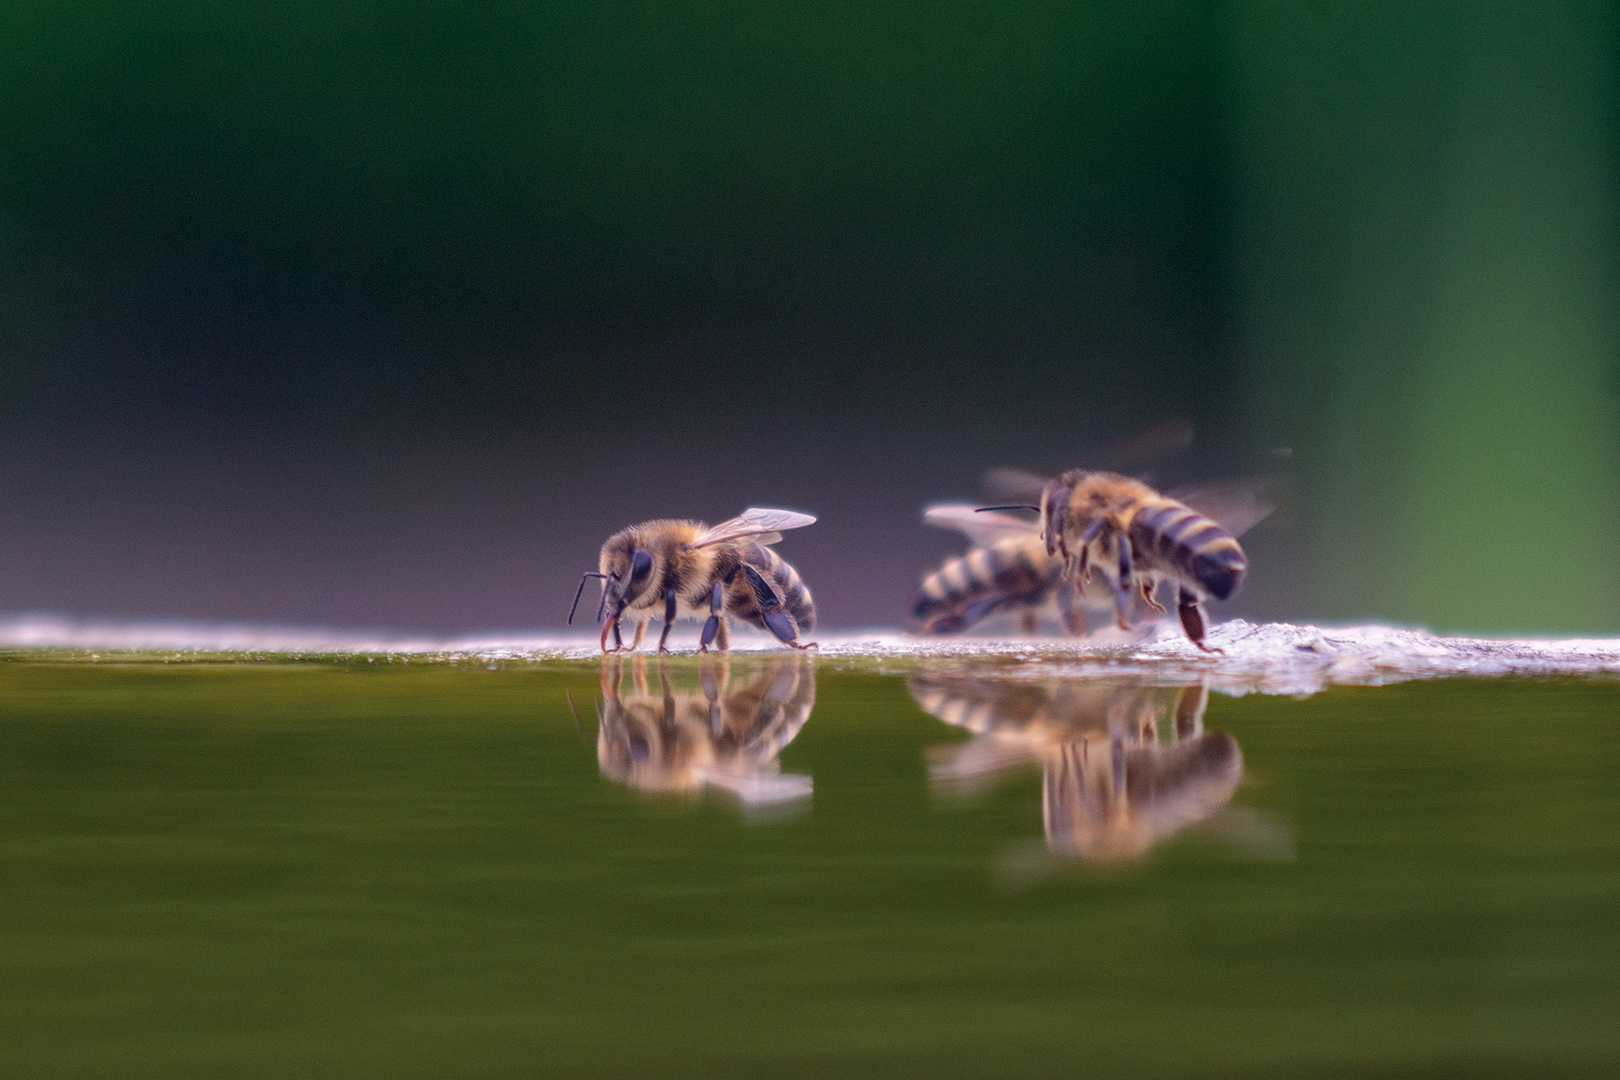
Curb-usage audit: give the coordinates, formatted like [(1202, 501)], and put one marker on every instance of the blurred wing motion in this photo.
[(1159, 441), (763, 524), (1237, 505), (1011, 485), (982, 529)]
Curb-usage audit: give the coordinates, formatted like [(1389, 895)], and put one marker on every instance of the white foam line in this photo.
[(1265, 657)]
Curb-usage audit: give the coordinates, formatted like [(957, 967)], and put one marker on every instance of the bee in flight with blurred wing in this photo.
[(672, 567), (1102, 539)]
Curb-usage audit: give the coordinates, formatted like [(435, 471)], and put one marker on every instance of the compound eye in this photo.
[(640, 565)]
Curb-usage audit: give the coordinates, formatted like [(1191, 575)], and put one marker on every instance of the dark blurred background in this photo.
[(385, 315)]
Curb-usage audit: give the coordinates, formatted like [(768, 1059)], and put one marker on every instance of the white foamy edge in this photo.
[(1278, 658)]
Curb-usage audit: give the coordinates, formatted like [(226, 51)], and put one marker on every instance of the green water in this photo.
[(390, 870)]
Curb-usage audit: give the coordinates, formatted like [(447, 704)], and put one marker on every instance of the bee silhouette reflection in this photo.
[(725, 733), (1110, 788)]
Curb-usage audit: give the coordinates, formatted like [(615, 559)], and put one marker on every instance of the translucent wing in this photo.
[(1160, 441), (1237, 505), (1010, 485), (762, 523), (983, 529)]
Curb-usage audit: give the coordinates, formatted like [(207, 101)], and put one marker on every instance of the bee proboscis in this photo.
[(674, 567)]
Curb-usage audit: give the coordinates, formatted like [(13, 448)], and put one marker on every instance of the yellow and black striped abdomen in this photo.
[(1014, 570), (1172, 538), (795, 594)]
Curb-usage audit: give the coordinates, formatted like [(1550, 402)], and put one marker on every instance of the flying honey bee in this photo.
[(724, 735), (671, 568), (1185, 538), (1110, 787)]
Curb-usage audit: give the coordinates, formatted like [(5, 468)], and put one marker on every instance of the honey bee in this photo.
[(1110, 788), (721, 735), (1019, 565), (672, 568)]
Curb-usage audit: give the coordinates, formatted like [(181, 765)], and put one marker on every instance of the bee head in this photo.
[(627, 571)]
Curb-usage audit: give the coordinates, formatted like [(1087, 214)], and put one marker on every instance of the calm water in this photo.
[(391, 870)]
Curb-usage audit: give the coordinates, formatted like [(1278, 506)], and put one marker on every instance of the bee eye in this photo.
[(640, 565)]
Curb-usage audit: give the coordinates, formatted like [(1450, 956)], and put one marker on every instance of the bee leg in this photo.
[(611, 626), (1192, 620), (777, 621), (1074, 620), (641, 632), (1057, 520), (1027, 622), (1122, 598), (973, 613), (670, 602), (712, 627), (1147, 595)]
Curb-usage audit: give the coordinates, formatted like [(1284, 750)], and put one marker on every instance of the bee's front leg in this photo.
[(612, 626)]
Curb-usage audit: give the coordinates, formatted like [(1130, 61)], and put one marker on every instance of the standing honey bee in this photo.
[(672, 567), (1016, 564)]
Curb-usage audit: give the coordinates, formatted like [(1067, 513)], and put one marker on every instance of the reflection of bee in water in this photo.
[(1110, 788), (1019, 566), (685, 567), (721, 734)]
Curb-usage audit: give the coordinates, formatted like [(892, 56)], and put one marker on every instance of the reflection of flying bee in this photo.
[(1109, 787), (722, 735), (685, 567), (1017, 566)]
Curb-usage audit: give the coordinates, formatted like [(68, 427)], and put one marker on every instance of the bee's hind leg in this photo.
[(1192, 621), (712, 626), (1147, 595), (777, 621)]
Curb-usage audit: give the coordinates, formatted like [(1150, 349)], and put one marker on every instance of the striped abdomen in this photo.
[(1174, 539), (789, 586), (1014, 570)]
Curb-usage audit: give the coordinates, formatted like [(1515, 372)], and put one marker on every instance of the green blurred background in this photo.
[(374, 314)]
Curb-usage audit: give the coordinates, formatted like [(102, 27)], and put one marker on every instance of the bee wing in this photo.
[(1162, 440), (763, 523), (1236, 505), (982, 529), (1012, 485)]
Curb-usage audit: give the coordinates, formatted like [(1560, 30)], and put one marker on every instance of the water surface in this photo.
[(363, 867)]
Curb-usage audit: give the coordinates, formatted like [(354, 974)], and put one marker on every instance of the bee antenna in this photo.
[(578, 592), (1014, 506)]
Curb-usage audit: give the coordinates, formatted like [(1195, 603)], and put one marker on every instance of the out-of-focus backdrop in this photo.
[(385, 315)]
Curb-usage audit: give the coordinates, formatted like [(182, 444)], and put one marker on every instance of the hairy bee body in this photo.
[(1013, 574), (1136, 538), (664, 569)]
